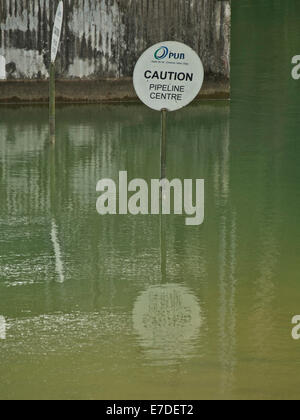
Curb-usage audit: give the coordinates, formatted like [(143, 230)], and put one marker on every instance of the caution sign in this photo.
[(168, 76)]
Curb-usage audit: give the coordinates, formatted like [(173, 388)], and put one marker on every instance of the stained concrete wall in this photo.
[(102, 40)]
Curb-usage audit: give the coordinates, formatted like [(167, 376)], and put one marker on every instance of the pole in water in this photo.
[(163, 175), (52, 103), (163, 154), (163, 145), (56, 34)]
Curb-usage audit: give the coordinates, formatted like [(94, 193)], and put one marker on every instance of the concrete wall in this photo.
[(102, 39)]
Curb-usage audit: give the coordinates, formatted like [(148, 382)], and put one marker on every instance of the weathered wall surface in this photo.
[(102, 39)]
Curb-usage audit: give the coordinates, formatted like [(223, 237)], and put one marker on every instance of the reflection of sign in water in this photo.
[(167, 319), (2, 328), (2, 68), (57, 31), (168, 76)]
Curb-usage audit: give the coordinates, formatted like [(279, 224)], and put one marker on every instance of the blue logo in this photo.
[(161, 53), (164, 52)]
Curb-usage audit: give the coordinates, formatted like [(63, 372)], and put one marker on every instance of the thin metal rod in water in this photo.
[(163, 175), (52, 103), (163, 146)]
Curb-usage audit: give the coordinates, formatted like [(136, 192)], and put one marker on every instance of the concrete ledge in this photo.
[(92, 91)]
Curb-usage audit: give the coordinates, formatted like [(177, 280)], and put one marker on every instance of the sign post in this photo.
[(52, 103), (167, 77), (54, 48)]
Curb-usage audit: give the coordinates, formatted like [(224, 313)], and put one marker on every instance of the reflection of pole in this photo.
[(54, 226), (163, 145), (52, 175), (57, 252), (52, 103)]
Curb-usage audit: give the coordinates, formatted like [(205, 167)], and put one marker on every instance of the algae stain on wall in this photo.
[(89, 45), (96, 39), (104, 38), (23, 33)]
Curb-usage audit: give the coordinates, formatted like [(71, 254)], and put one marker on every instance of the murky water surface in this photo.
[(108, 307)]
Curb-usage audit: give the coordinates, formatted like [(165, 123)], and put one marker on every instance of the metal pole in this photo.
[(52, 103), (163, 145), (163, 175)]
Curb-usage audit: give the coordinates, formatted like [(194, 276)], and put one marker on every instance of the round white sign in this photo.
[(57, 31), (169, 75)]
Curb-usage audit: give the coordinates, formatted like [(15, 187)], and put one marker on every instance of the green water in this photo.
[(99, 307)]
